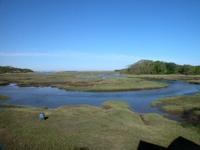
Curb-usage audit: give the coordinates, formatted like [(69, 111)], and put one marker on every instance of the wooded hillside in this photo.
[(8, 69), (160, 67)]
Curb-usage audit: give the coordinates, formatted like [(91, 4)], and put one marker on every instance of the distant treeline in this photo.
[(160, 67), (8, 69)]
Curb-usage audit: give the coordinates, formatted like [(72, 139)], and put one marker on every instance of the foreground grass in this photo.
[(83, 81), (186, 107), (112, 127)]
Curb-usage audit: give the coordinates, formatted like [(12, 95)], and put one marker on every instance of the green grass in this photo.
[(3, 97), (101, 128), (187, 78), (82, 81), (179, 103), (186, 107)]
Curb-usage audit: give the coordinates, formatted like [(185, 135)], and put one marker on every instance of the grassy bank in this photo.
[(83, 81), (111, 127), (186, 107), (187, 78)]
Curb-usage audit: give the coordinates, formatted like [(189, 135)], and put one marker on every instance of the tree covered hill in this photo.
[(160, 67), (8, 69)]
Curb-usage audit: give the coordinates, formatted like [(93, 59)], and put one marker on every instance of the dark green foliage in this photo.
[(196, 70), (171, 68), (160, 67), (8, 69)]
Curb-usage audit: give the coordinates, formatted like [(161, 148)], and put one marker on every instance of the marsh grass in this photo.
[(187, 78), (186, 107), (82, 81), (87, 126)]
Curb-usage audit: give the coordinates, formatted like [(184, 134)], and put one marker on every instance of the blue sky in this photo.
[(57, 35)]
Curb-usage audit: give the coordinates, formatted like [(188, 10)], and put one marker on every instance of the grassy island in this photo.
[(82, 81)]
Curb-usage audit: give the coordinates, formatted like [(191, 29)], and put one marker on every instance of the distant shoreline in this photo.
[(81, 81)]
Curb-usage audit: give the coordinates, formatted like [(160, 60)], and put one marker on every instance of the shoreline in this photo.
[(185, 108), (111, 120), (77, 90), (164, 114)]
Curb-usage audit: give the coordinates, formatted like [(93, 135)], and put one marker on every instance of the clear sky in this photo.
[(97, 34)]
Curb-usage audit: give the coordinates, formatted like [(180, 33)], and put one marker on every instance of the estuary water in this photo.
[(139, 101)]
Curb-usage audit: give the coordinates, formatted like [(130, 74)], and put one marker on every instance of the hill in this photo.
[(160, 67), (8, 69)]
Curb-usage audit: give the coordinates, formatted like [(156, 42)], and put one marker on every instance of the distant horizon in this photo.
[(97, 34), (83, 70)]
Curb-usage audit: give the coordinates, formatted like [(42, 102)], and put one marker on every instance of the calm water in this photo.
[(52, 97)]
